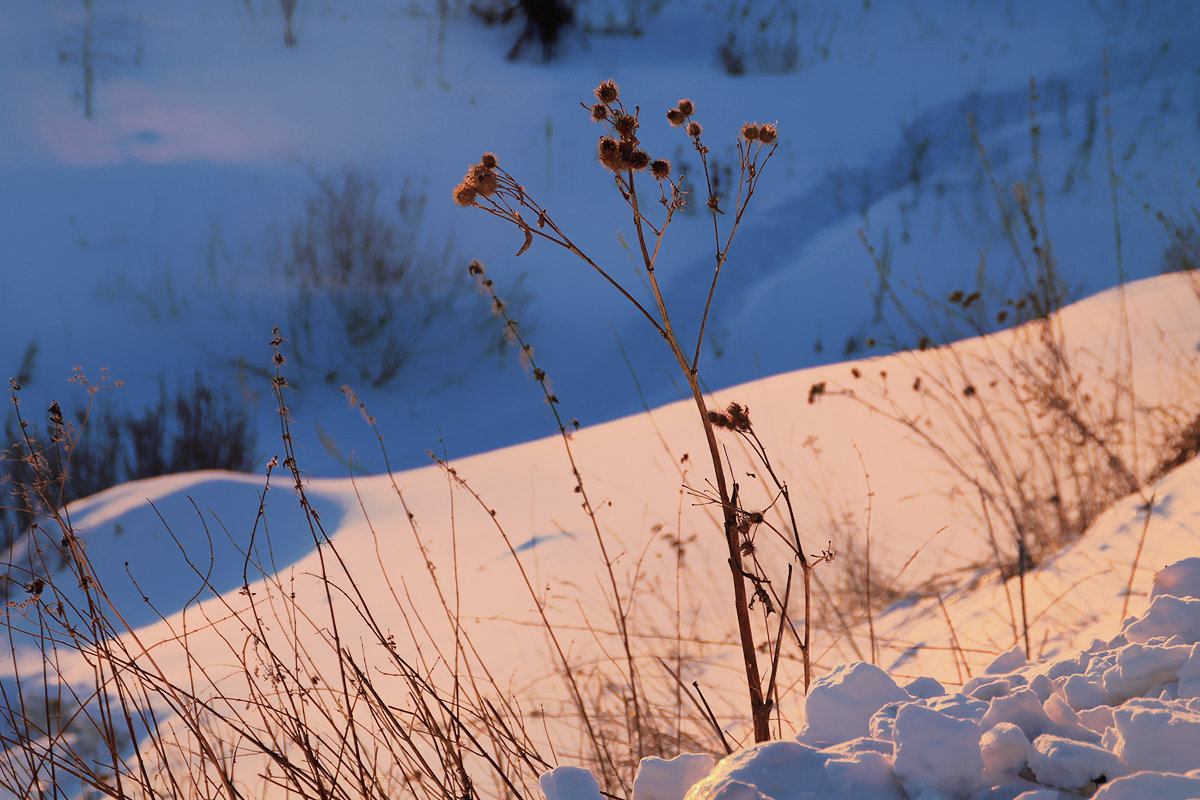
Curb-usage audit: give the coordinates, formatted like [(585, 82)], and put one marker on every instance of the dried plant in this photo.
[(489, 187)]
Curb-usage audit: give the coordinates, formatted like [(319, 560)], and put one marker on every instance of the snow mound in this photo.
[(1116, 721)]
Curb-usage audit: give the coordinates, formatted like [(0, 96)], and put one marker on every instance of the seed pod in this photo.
[(607, 92)]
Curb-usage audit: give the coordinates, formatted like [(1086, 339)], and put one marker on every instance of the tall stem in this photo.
[(760, 711)]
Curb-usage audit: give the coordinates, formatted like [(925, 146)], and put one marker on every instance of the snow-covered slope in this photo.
[(146, 238), (665, 546)]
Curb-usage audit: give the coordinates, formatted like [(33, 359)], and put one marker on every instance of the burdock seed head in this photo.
[(609, 153), (607, 92), (626, 125), (686, 108), (483, 179), (750, 132), (480, 180), (464, 194), (599, 112), (639, 160), (625, 150), (739, 415), (660, 168), (767, 134), (676, 117), (694, 130)]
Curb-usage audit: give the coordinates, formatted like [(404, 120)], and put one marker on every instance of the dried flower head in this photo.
[(464, 194), (686, 108), (739, 415), (750, 132), (767, 134), (599, 112), (607, 92), (736, 417), (638, 160), (483, 179), (660, 168), (489, 161), (609, 152), (626, 125), (627, 151), (694, 130), (676, 117)]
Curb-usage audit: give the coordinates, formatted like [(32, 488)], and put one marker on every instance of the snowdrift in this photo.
[(1118, 720)]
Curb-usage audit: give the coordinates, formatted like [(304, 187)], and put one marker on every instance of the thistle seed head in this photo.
[(599, 112), (694, 129), (686, 108), (676, 117), (660, 168), (750, 132), (767, 134)]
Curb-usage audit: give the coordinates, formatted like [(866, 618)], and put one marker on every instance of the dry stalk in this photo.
[(489, 187)]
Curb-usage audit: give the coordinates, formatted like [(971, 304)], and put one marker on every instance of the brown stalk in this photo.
[(506, 200), (1137, 556)]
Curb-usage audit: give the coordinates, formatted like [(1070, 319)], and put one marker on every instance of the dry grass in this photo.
[(1042, 431)]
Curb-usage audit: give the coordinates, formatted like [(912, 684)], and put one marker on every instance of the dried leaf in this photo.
[(528, 239)]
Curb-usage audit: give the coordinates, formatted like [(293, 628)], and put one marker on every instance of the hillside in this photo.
[(324, 539)]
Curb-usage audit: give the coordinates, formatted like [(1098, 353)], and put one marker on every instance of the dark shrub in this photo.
[(545, 21), (199, 428)]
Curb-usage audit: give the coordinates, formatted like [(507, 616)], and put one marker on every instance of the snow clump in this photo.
[(1116, 721)]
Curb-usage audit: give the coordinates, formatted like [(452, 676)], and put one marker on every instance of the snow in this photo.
[(1021, 747), (839, 705), (1142, 785), (1156, 735), (1189, 676), (670, 779), (936, 752), (1167, 616), (782, 770), (207, 129), (570, 783), (1140, 669), (1181, 579), (1069, 764), (1005, 750), (141, 239)]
